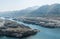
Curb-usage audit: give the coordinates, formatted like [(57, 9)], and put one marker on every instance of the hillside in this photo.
[(17, 13), (45, 10)]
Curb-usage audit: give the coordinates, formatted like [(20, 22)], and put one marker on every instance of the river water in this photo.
[(45, 33)]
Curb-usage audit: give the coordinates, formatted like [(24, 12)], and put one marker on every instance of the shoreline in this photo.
[(44, 22), (14, 29)]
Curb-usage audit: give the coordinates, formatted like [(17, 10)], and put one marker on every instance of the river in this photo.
[(45, 33)]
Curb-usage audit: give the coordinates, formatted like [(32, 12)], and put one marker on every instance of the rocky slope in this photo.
[(43, 21), (13, 29)]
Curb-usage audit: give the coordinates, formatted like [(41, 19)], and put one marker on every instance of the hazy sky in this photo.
[(9, 5)]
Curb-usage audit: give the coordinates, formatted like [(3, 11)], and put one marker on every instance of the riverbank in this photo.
[(47, 22), (13, 29)]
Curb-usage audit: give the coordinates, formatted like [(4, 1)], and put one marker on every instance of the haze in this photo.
[(11, 5)]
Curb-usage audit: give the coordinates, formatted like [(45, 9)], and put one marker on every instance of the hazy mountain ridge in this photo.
[(54, 10), (45, 10), (18, 12), (41, 11)]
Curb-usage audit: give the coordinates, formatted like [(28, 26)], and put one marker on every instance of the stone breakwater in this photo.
[(14, 29)]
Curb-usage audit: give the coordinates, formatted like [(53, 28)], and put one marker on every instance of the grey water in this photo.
[(45, 33)]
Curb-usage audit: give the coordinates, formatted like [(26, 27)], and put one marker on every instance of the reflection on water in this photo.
[(45, 33)]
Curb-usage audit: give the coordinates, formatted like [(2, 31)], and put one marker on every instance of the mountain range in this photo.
[(45, 10)]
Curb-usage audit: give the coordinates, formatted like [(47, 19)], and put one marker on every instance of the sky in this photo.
[(11, 5)]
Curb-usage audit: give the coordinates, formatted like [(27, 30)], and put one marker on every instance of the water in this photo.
[(45, 33)]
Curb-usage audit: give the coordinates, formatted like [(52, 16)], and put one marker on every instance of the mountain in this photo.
[(46, 10), (18, 12), (41, 11), (54, 10)]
